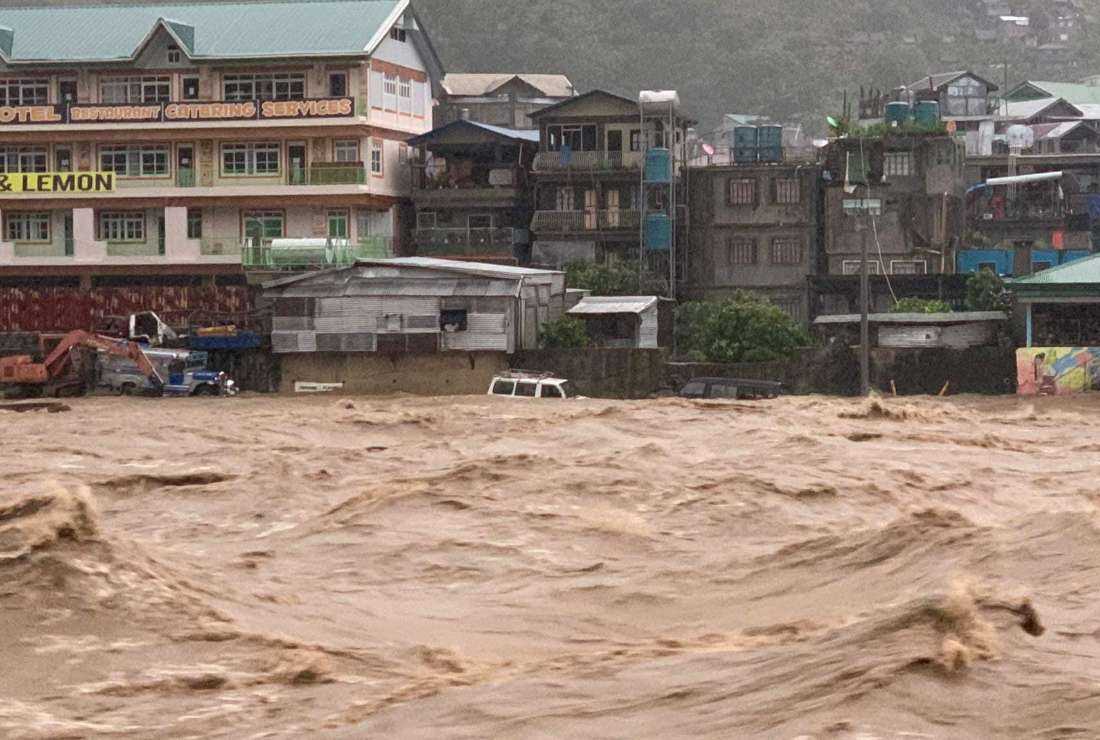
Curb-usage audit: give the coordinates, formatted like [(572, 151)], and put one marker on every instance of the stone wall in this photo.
[(602, 372)]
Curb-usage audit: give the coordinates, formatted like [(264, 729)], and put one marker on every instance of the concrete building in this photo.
[(506, 100), (587, 177), (756, 227), (470, 191), (203, 132)]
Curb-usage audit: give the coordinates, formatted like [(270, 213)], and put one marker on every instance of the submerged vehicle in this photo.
[(522, 384), (184, 373), (64, 371), (731, 388)]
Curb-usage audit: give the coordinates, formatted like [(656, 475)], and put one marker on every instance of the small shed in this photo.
[(1062, 305), (413, 305), (956, 330), (620, 321)]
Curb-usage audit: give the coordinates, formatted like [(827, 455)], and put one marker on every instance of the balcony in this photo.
[(565, 161), (328, 173), (337, 253), (571, 222), (470, 242), (185, 177), (476, 185)]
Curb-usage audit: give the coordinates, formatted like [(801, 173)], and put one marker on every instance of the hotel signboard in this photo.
[(248, 110)]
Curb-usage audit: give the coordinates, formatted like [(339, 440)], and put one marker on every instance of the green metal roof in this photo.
[(1079, 277), (1071, 92), (205, 29)]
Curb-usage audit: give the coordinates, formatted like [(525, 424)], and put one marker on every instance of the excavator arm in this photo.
[(21, 370)]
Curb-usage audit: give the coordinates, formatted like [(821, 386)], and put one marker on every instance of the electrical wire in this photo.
[(874, 225)]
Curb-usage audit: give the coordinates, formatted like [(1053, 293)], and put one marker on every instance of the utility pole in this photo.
[(864, 322)]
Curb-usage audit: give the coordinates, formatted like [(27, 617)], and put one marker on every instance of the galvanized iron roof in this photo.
[(613, 304), (115, 32), (1084, 271), (473, 85), (446, 269), (957, 317), (531, 137)]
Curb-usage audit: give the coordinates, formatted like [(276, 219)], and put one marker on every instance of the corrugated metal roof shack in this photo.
[(620, 321), (959, 330), (414, 305)]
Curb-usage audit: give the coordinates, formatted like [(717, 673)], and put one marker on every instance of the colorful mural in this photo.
[(1057, 371)]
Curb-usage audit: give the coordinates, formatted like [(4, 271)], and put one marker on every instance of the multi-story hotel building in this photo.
[(205, 130)]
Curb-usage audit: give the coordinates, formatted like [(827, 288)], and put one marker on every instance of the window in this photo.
[(174, 56), (250, 159), (375, 157), (786, 252), (908, 267), (346, 150), (614, 141), (286, 86), (453, 320), (852, 267), (403, 153), (526, 388), (479, 221), (262, 226), (23, 159), (24, 92), (190, 88), (742, 192), (425, 220), (405, 92), (338, 224), (504, 387), (790, 306), (194, 223), (398, 34), (389, 92), (551, 391), (966, 97), (577, 137), (27, 227), (121, 226), (694, 389), (898, 164), (635, 140), (787, 190), (64, 158), (338, 84), (123, 90), (741, 252), (149, 160)]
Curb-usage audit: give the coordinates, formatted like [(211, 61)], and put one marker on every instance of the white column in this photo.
[(177, 247), (7, 249), (85, 246)]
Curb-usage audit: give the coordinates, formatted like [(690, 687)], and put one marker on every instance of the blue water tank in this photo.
[(658, 232), (744, 143), (769, 146), (1069, 255), (927, 113), (1000, 261), (898, 112), (658, 165)]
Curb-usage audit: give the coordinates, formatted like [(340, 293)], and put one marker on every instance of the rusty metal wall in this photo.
[(59, 309)]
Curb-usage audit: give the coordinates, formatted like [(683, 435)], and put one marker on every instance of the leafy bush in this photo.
[(741, 329), (985, 291), (619, 278), (921, 305), (564, 333)]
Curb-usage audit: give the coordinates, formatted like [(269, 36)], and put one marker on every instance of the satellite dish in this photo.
[(1020, 137)]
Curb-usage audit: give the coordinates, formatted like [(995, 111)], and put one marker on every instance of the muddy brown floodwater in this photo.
[(479, 567)]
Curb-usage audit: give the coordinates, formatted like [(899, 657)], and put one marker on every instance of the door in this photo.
[(612, 209), (160, 234), (68, 234), (591, 210), (296, 157), (185, 166), (67, 91), (614, 140)]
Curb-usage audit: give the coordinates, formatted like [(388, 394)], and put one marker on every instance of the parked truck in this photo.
[(65, 371)]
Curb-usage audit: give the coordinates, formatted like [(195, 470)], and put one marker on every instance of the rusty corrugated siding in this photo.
[(57, 309)]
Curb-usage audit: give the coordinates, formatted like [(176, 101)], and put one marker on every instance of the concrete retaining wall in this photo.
[(603, 372), (449, 373)]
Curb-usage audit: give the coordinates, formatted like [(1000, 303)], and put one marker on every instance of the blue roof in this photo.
[(67, 33)]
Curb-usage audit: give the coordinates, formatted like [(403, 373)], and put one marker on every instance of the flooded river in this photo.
[(480, 567)]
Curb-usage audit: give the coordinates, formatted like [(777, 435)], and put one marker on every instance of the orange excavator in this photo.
[(57, 375)]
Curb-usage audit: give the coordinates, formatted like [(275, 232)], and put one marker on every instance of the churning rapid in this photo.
[(480, 567)]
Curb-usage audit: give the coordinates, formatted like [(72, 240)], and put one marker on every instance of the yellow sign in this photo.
[(57, 182)]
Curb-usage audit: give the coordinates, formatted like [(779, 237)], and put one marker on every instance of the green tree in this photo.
[(741, 329), (985, 291), (921, 305), (564, 333), (619, 278)]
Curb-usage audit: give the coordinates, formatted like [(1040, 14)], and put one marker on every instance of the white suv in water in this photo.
[(530, 385)]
